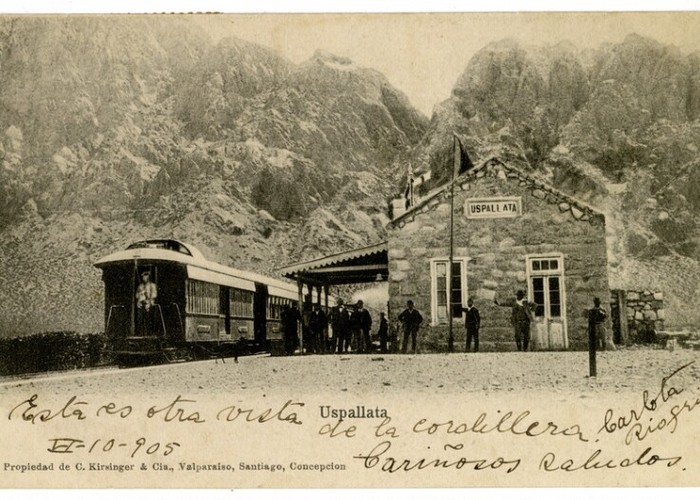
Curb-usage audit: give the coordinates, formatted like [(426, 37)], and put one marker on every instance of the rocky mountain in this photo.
[(617, 127), (116, 129)]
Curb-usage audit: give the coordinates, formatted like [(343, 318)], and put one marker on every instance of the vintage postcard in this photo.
[(349, 250)]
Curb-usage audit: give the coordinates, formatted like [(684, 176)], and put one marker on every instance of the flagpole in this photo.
[(410, 183), (450, 338)]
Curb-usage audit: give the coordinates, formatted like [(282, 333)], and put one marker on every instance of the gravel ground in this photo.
[(622, 371), (544, 388)]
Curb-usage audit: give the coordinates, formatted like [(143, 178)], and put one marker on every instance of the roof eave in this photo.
[(471, 174)]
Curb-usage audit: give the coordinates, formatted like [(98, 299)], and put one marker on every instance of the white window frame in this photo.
[(434, 321), (549, 272)]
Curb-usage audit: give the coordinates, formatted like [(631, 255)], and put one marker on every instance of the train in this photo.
[(164, 300)]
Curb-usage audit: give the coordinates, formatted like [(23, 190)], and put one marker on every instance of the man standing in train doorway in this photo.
[(146, 295)]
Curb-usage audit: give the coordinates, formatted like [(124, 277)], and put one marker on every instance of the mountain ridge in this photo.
[(259, 161), (231, 147), (617, 127)]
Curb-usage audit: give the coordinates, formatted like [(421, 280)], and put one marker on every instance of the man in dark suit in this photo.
[(411, 320), (596, 324), (362, 323), (317, 326), (520, 318), (340, 321), (290, 321), (472, 322), (383, 332)]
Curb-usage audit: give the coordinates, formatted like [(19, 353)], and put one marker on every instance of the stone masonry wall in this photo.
[(644, 311), (497, 250)]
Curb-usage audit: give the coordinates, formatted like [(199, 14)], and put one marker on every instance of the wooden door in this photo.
[(546, 293)]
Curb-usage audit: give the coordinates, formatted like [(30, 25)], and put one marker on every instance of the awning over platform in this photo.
[(361, 265)]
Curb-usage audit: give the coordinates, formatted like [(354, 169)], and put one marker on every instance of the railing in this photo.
[(109, 315), (115, 307), (179, 318)]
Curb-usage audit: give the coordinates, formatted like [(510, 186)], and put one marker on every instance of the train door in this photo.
[(546, 292), (260, 314)]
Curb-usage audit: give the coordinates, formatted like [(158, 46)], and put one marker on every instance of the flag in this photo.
[(462, 162)]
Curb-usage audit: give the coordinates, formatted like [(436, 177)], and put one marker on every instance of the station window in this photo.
[(202, 297), (545, 265), (444, 283)]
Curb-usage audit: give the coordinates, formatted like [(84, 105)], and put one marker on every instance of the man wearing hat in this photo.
[(411, 320), (472, 323), (318, 322), (596, 324), (146, 295), (340, 321), (362, 324), (520, 318)]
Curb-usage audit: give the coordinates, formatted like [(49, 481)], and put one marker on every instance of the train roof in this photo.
[(198, 267)]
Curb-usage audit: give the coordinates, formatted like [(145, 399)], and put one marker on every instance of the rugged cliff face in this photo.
[(114, 129), (616, 127), (117, 129)]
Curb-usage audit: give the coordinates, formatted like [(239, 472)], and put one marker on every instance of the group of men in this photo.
[(521, 318), (351, 328)]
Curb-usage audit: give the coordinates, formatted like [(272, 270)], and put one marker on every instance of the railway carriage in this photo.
[(200, 307)]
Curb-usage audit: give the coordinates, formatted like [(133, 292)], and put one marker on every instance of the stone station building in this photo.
[(511, 232)]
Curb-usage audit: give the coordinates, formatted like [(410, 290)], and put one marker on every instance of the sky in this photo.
[(422, 55)]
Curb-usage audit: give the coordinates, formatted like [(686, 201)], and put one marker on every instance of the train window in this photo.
[(172, 245), (202, 298), (241, 303), (274, 307)]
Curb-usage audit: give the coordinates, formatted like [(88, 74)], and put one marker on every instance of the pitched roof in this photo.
[(354, 266), (540, 189)]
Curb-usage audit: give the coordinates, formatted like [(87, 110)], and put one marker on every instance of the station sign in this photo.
[(493, 208)]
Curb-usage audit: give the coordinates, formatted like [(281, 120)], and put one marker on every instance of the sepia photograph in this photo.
[(355, 250)]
